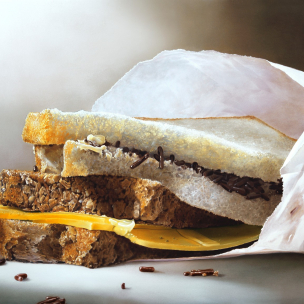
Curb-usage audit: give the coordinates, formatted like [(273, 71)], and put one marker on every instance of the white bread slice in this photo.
[(193, 188), (244, 146)]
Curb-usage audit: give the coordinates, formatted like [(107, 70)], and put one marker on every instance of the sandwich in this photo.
[(109, 188)]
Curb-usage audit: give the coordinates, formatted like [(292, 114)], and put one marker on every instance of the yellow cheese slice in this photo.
[(87, 221), (151, 236), (214, 238)]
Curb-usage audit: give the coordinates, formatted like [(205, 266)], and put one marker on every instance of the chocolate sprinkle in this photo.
[(241, 182), (251, 184), (239, 190), (207, 172), (253, 195), (133, 150), (194, 166), (218, 179), (20, 277), (195, 273), (188, 165), (201, 272), (179, 162), (53, 300), (226, 187), (138, 162), (265, 197), (49, 300), (156, 156), (172, 158), (161, 157), (146, 269)]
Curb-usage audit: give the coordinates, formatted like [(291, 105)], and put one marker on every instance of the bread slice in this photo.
[(244, 146), (145, 201), (26, 241)]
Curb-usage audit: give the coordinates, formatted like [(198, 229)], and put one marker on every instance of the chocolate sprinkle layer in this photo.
[(245, 186)]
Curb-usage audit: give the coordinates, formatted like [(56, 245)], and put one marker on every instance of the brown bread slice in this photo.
[(53, 243), (119, 197)]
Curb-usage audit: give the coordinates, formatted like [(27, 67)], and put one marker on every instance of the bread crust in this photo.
[(246, 117)]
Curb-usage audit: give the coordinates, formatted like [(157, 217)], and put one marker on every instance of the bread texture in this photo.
[(49, 159), (118, 197), (189, 186), (53, 243), (244, 146)]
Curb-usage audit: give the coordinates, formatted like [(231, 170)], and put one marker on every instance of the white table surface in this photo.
[(275, 278)]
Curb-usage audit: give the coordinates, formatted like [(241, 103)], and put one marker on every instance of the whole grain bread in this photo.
[(145, 201)]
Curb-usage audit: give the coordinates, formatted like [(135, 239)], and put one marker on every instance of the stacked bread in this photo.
[(161, 175)]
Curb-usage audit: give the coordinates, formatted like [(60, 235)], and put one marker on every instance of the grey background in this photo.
[(66, 54)]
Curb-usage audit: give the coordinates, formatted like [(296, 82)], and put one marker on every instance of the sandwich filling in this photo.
[(252, 188)]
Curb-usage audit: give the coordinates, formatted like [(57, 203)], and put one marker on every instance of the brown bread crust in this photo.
[(119, 197)]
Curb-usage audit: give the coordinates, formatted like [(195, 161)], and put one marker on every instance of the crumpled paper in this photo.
[(284, 229), (179, 84), (183, 84)]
